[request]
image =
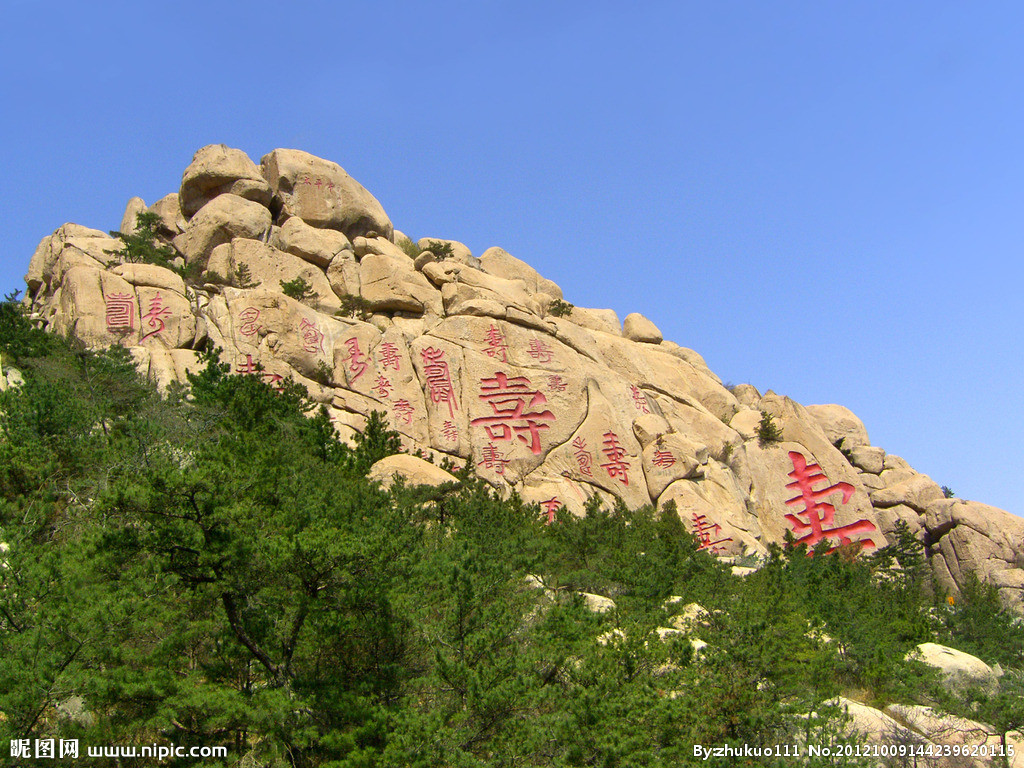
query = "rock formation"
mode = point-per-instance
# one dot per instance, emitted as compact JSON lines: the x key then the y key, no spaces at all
{"x":471,"y":359}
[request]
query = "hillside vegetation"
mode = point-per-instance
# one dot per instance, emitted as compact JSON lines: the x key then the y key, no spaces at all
{"x":212,"y":567}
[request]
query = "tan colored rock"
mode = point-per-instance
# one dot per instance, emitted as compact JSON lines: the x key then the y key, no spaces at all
{"x":322,"y":194}
{"x":460,"y":253}
{"x":873,"y":725}
{"x":672,"y":458}
{"x":134,"y":207}
{"x":690,"y":617}
{"x":840,"y":423}
{"x":343,"y":274}
{"x":942,"y":728}
{"x":604,"y":320}
{"x":220,"y":221}
{"x":597,"y":603}
{"x":747,"y":395}
{"x":746,"y":422}
{"x":764,"y":473}
{"x":392,"y":284}
{"x":317,"y":246}
{"x":916,"y":492}
{"x":978,"y":538}
{"x":164,"y":366}
{"x":500,"y":263}
{"x":869,"y":458}
{"x":99,"y":308}
{"x":712,"y":509}
{"x":888,"y":517}
{"x":636,"y":327}
{"x":172,"y":223}
{"x":958,"y":668}
{"x":650,"y":367}
{"x":87,"y":247}
{"x":461,"y":299}
{"x":215,"y":170}
{"x":150,"y":275}
{"x":411,"y":469}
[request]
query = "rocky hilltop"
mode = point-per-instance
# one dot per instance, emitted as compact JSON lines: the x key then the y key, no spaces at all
{"x":295,"y":271}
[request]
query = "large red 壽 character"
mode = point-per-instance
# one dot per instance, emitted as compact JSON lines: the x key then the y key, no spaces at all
{"x":810,"y":524}
{"x":507,"y":397}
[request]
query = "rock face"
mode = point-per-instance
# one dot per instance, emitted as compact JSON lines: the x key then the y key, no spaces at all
{"x":461,"y":355}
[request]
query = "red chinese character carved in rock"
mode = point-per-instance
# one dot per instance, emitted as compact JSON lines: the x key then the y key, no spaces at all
{"x":705,"y":530}
{"x":120,"y":312}
{"x":616,"y":466}
{"x":663,"y":458}
{"x":403,"y":410}
{"x":382,"y":386}
{"x":639,"y":399}
{"x":450,"y":432}
{"x":356,"y":359}
{"x":312,"y":337}
{"x":551,"y":506}
{"x":493,"y":459}
{"x":496,"y":346}
{"x":319,"y":183}
{"x":810,"y":524}
{"x":389,"y":356}
{"x":305,"y":180}
{"x":557,"y":383}
{"x":540,"y":351}
{"x":439,"y":380}
{"x":275,"y":380}
{"x":583,"y":457}
{"x":247,"y":367}
{"x":508,"y":399}
{"x":155,"y":316}
{"x":249,"y":319}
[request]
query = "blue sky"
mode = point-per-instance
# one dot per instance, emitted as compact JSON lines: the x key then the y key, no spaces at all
{"x":822,"y":199}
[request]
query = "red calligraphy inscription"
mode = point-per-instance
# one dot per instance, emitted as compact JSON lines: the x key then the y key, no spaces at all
{"x":583,"y":456}
{"x":450,"y":432}
{"x":389,"y":356}
{"x":382,"y":386}
{"x":639,"y":399}
{"x":508,"y":400}
{"x":120,"y":312}
{"x":705,"y":531}
{"x":403,"y":411}
{"x":663,"y":458}
{"x":312,"y":337}
{"x":493,"y":459}
{"x":616,"y":466}
{"x":356,"y":359}
{"x":249,"y":318}
{"x":155,"y":316}
{"x":810,"y":524}
{"x":557,"y":383}
{"x":496,"y":346}
{"x":540,"y":351}
{"x":439,"y":379}
{"x":247,"y":367}
{"x":551,"y":506}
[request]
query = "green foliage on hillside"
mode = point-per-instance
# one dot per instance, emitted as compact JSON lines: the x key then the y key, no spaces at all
{"x":215,"y":570}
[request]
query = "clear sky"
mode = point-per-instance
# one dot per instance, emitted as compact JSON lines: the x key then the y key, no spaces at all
{"x":823,"y":199}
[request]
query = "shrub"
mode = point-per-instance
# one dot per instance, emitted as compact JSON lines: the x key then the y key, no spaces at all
{"x":297,"y":289}
{"x":142,"y":246}
{"x":768,"y":432}
{"x":409,"y":246}
{"x":947,"y":492}
{"x":440,"y":249}
{"x":242,"y":277}
{"x":560,"y":308}
{"x":354,"y":306}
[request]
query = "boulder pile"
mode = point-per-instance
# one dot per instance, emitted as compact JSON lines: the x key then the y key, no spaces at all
{"x":294,"y":271}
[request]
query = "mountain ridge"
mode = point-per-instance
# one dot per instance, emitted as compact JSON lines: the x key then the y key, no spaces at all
{"x":471,"y":361}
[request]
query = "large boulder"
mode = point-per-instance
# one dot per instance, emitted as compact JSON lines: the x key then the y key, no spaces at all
{"x":958,"y":668}
{"x":322,"y":194}
{"x":218,"y":222}
{"x":317,"y":246}
{"x":840,"y":423}
{"x":411,"y":469}
{"x":390,"y":283}
{"x":217,"y":169}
